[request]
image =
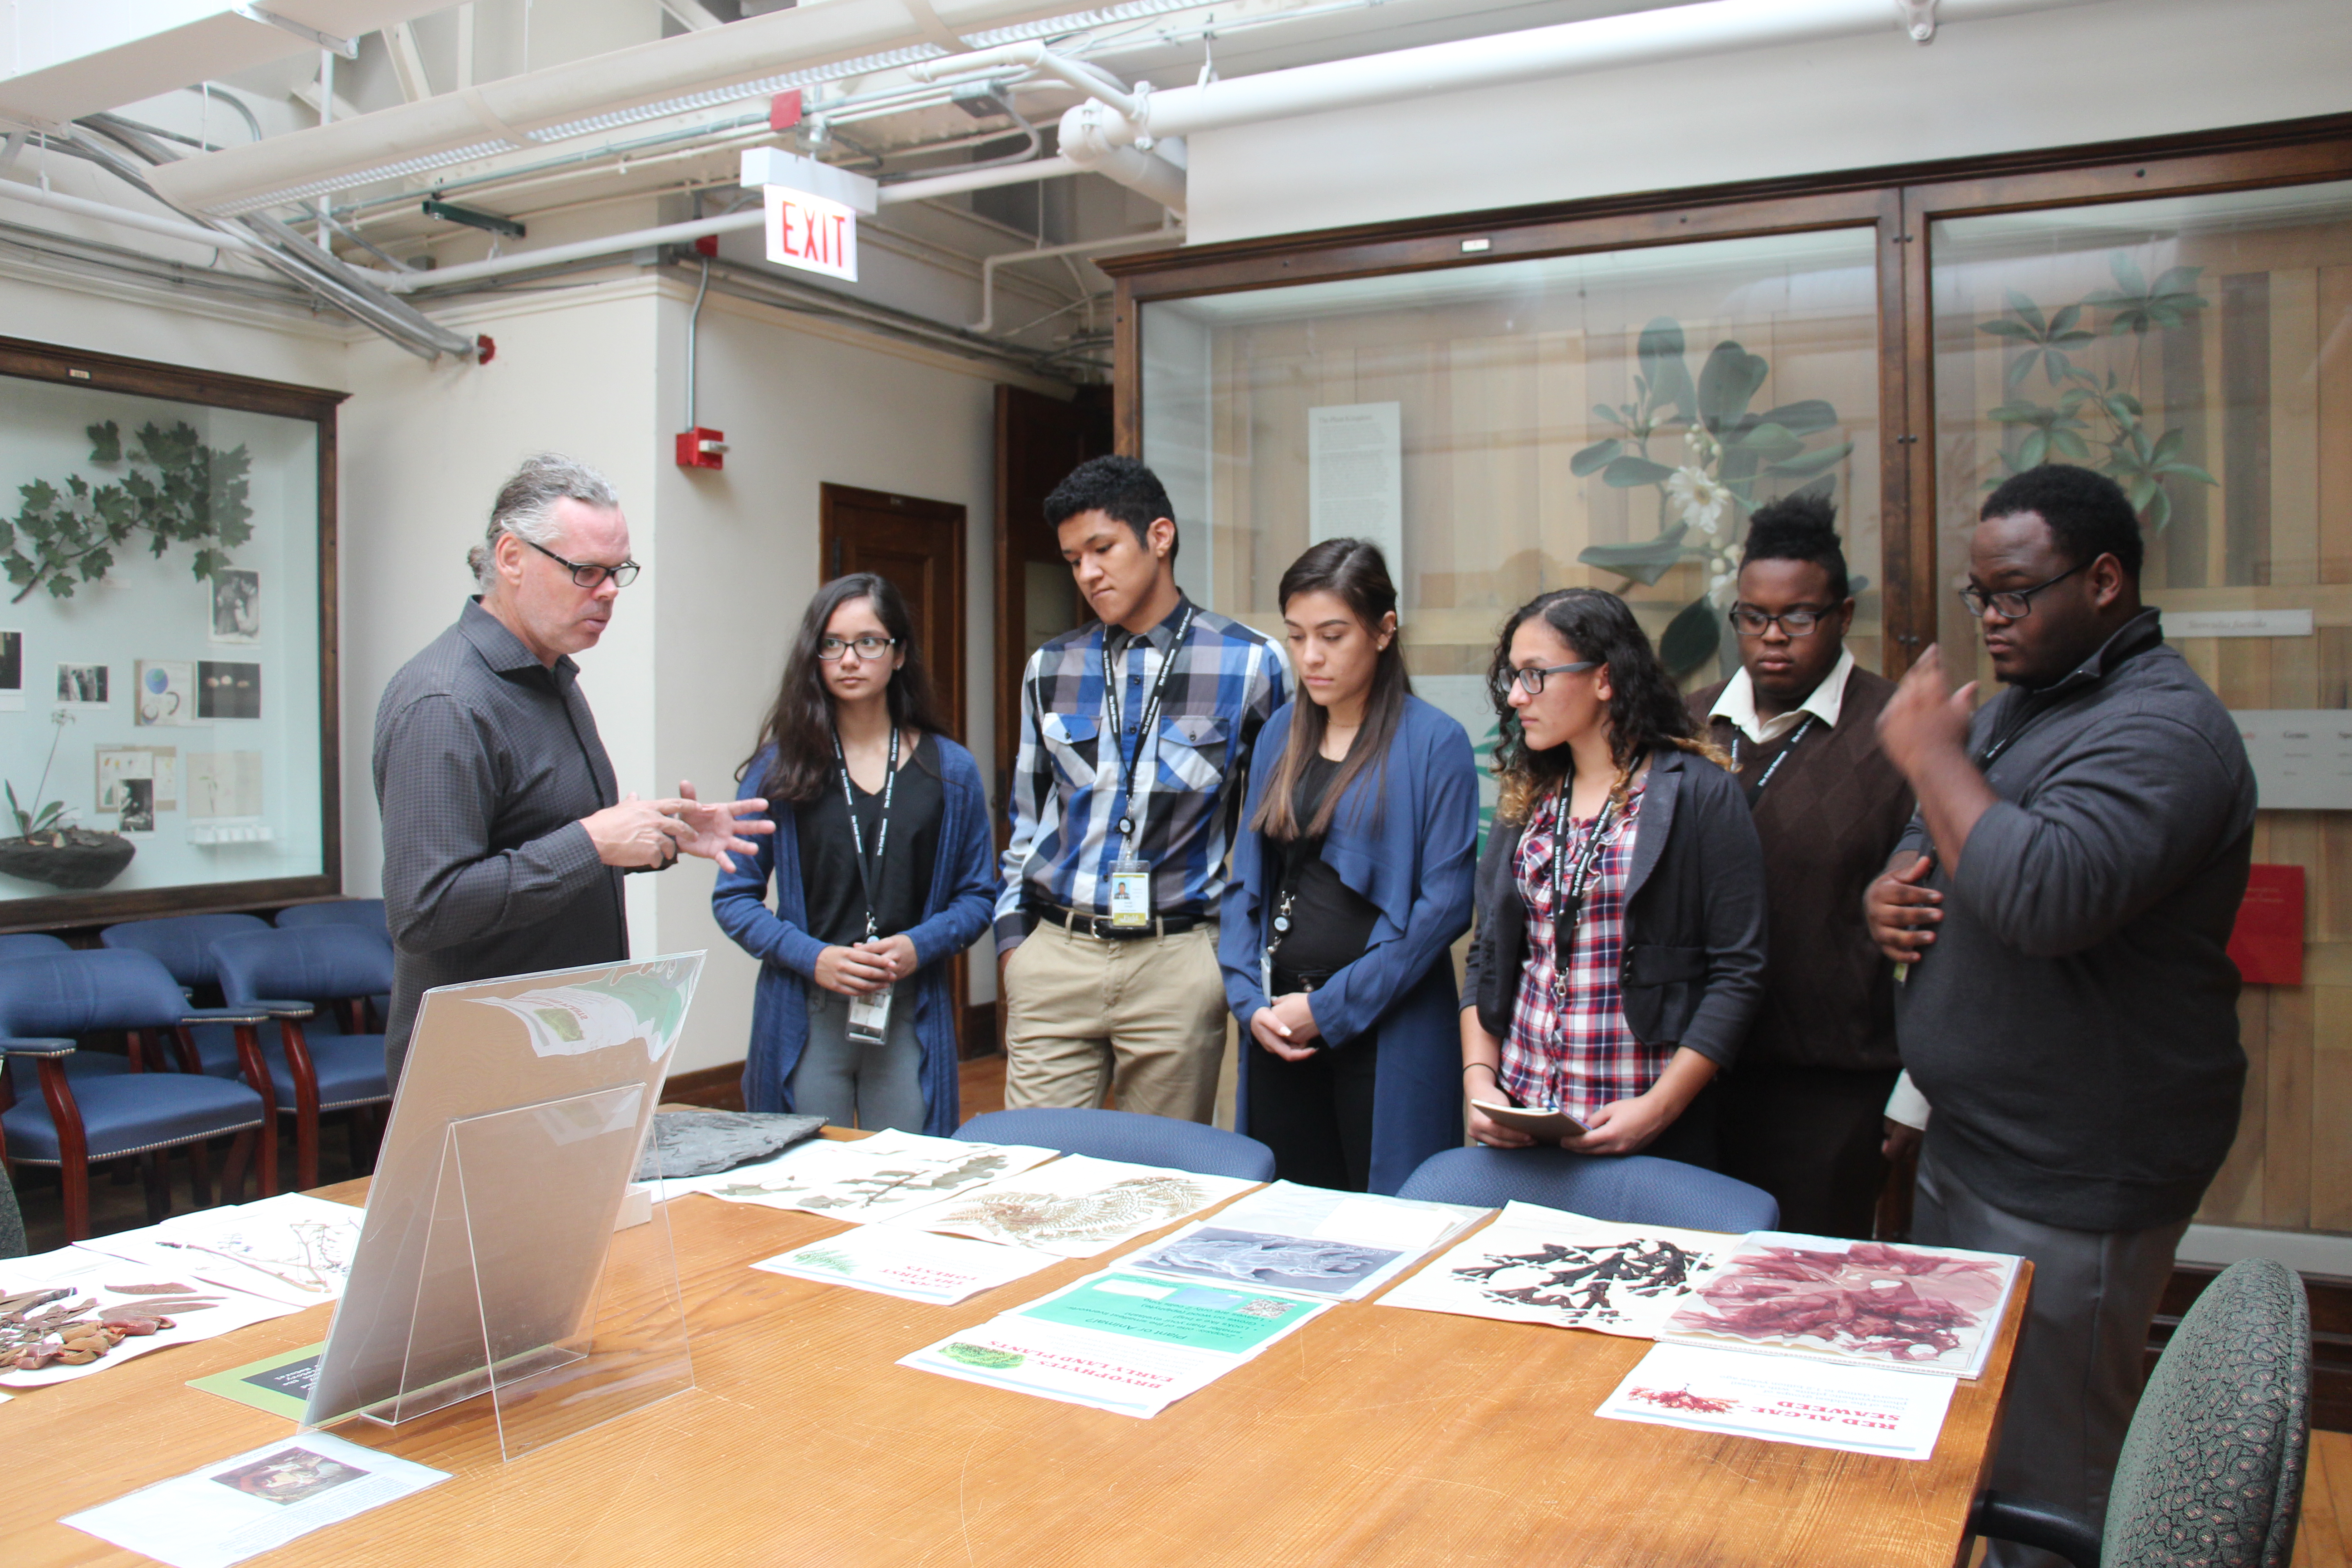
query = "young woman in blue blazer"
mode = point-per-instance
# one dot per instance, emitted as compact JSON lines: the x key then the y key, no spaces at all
{"x":884,"y":870}
{"x":1349,"y":885}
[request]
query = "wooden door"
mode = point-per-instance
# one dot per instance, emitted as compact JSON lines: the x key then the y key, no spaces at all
{"x":919,"y":545}
{"x":1039,"y":440}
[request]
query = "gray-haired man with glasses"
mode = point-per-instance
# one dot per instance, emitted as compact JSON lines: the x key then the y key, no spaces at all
{"x":505,"y":835}
{"x":1802,"y":1115}
{"x":2064,"y":905}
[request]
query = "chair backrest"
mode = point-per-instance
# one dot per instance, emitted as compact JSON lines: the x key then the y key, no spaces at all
{"x":1125,"y":1135}
{"x":367,"y":914}
{"x":184,"y":942}
{"x":2213,"y":1465}
{"x":305,"y":963}
{"x":63,"y":995}
{"x":1633,"y":1189}
{"x":25,"y":944}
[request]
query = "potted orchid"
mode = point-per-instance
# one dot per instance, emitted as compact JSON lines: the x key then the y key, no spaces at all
{"x":47,"y":847}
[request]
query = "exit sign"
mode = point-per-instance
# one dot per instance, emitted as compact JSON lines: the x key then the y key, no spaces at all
{"x":813,"y":210}
{"x":812,"y":233}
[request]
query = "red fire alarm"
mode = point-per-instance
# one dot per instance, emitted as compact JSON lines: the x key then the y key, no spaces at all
{"x":785,"y":110}
{"x":701,"y":449}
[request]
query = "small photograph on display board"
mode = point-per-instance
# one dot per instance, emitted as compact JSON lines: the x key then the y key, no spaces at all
{"x":84,"y":685}
{"x":167,"y":691}
{"x":11,"y":671}
{"x":158,"y":766}
{"x":228,"y":691}
{"x":137,"y":806}
{"x":236,"y":606}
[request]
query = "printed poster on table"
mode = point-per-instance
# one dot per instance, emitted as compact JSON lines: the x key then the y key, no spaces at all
{"x":1923,"y":1308}
{"x":1317,"y":1242}
{"x":1855,"y":1409}
{"x":914,"y":1265}
{"x":258,"y":1500}
{"x":58,"y":1309}
{"x":865,"y":1179}
{"x":1538,"y":1264}
{"x":1078,"y":1206}
{"x":293,"y":1247}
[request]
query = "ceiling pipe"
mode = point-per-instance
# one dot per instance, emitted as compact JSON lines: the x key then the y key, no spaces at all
{"x":1034,"y":56}
{"x":1539,"y":54}
{"x":687,"y":233}
{"x":123,"y":217}
{"x":987,"y":322}
{"x":667,"y":76}
{"x":1086,"y":141}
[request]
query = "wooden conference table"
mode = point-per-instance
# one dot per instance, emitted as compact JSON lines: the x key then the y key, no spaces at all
{"x":1372,"y":1435}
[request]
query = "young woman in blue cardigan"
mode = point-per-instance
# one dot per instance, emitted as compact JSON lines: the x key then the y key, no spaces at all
{"x":1350,"y":884}
{"x":884,"y":870}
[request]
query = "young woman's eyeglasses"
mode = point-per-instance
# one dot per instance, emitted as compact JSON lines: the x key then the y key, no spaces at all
{"x":1531,"y":680}
{"x":1752,"y":622}
{"x":587,"y":574}
{"x":2014,"y":603}
{"x":832,"y":648}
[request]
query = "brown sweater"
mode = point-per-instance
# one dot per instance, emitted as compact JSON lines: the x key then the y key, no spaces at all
{"x":1829,"y":820}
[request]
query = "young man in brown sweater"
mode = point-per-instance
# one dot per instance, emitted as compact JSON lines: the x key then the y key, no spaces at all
{"x":1801,"y":1113}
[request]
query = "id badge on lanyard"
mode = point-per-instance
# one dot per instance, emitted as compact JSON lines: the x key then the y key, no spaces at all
{"x":1130,"y":875}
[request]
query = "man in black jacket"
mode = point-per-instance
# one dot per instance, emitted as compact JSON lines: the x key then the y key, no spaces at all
{"x":2063,"y":904}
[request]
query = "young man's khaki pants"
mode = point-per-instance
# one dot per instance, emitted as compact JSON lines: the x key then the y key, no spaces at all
{"x":1143,"y":1015}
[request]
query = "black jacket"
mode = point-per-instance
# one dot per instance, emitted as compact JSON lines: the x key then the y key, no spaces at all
{"x":2075,"y":1024}
{"x":1694,"y":950}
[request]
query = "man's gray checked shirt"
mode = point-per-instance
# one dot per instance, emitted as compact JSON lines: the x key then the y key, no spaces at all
{"x":485,"y":760}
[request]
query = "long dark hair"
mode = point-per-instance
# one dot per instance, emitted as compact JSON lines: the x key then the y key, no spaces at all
{"x":1645,"y":711}
{"x":800,"y":725}
{"x":1353,"y":571}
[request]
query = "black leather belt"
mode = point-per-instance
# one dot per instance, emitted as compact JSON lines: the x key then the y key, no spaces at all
{"x":1100,"y":928}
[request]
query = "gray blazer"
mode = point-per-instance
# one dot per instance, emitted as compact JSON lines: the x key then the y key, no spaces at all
{"x":1693,"y":971}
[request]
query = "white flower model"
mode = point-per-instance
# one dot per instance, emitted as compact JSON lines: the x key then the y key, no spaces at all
{"x":1701,"y":499}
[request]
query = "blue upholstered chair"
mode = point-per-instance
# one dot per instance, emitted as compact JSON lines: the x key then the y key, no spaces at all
{"x":367,"y":914}
{"x":1124,"y":1135}
{"x":46,"y":1003}
{"x":184,"y":944}
{"x":1635,"y":1189}
{"x":289,"y":974}
{"x":30,"y":944}
{"x":2213,"y":1466}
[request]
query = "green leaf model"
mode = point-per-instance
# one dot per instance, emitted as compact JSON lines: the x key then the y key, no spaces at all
{"x":2096,"y":418}
{"x":175,"y":491}
{"x":1729,"y":455}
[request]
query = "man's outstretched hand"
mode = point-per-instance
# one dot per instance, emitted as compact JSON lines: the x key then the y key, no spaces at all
{"x":715,"y":829}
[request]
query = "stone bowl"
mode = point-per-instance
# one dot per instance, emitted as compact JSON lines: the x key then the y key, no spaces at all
{"x":85,"y":860}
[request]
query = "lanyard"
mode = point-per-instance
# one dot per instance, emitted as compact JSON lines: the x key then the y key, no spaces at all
{"x":857,"y":832}
{"x":1759,"y":790}
{"x":1586,"y":858}
{"x":1129,"y":756}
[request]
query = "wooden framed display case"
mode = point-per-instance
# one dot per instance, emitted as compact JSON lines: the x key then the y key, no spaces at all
{"x":167,"y":640}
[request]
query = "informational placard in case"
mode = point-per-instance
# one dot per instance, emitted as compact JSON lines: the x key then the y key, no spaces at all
{"x":1355,"y":477}
{"x":2178,"y":624}
{"x":2302,"y":756}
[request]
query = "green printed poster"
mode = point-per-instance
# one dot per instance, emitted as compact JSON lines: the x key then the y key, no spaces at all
{"x":1198,"y":1317}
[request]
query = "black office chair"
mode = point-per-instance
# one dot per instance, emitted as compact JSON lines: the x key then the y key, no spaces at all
{"x":1633,"y":1189}
{"x":2212,"y":1467}
{"x":1125,"y":1135}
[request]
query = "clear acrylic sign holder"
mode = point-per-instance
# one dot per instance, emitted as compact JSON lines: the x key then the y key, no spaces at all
{"x":526,"y":1292}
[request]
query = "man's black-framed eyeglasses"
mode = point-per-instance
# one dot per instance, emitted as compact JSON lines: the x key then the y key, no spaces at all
{"x":2014,"y":603}
{"x":587,"y":574}
{"x":1531,"y":680}
{"x":1751,"y":622}
{"x":832,"y":648}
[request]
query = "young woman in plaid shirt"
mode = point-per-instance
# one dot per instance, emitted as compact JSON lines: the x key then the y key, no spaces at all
{"x":1620,"y":953}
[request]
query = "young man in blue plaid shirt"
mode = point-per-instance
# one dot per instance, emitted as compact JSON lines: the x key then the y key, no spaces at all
{"x":1135,"y":746}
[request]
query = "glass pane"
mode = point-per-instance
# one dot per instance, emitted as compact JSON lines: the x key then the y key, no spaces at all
{"x":2199,"y":349}
{"x":169,"y":715}
{"x":1515,"y":427}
